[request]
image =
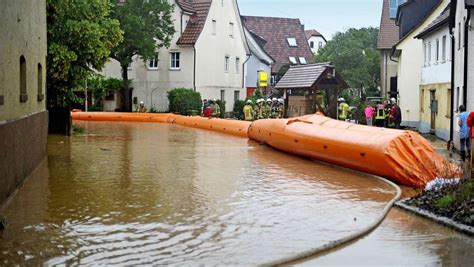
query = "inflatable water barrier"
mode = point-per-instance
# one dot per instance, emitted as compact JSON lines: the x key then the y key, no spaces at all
{"x":402,"y":156}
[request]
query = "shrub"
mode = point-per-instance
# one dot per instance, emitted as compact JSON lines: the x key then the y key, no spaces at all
{"x":239,"y":109}
{"x":222,"y":106}
{"x":184,"y":101}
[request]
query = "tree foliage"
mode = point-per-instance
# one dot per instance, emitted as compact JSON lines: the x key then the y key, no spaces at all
{"x":81,"y":35}
{"x":147,"y":26}
{"x":355,"y":56}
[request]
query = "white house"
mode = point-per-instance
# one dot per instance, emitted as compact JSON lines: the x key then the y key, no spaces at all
{"x":207,"y":53}
{"x":316,"y":40}
{"x":412,"y":17}
{"x":435,"y":86}
{"x":259,"y":61}
{"x":461,"y":25}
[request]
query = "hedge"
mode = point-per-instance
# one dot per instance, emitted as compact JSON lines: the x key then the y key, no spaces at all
{"x":184,"y":101}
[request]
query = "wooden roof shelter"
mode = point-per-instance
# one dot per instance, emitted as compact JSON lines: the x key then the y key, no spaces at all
{"x":302,"y":85}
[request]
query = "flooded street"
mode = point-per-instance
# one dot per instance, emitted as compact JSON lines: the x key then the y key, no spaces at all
{"x":144,"y":193}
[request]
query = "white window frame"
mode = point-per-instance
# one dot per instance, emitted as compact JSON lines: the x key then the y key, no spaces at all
{"x":443,"y":47}
{"x":302,"y":60}
{"x":429,"y":53}
{"x":226,"y":63}
{"x":292,"y":42}
{"x":214,"y":27}
{"x":231,"y":29}
{"x":292,"y":60}
{"x":175,"y":60}
{"x":237,"y":65}
{"x":155,"y":66}
{"x":437,"y":50}
{"x":425,"y":53}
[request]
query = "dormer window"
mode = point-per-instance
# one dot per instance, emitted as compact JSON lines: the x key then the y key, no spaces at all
{"x":302,"y":60}
{"x":292,"y":60}
{"x":291,"y":42}
{"x":394,"y":7}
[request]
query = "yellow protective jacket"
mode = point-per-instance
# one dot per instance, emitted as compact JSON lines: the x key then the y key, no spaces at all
{"x":216,"y":110}
{"x":248,"y":112}
{"x":343,"y":111}
{"x":267,"y":110}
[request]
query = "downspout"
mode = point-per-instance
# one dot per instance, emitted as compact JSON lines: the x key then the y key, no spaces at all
{"x":451,"y":128}
{"x":243,"y":70}
{"x":466,"y":52}
{"x":194,"y":68}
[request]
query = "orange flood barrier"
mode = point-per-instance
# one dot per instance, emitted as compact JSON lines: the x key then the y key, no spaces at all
{"x":402,"y":156}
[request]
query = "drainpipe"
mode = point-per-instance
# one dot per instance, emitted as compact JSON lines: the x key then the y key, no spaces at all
{"x":194,"y":68}
{"x":466,"y":52}
{"x":243,"y":70}
{"x":451,"y":128}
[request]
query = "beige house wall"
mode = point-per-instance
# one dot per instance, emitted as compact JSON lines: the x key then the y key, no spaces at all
{"x":388,"y":68}
{"x":23,"y":33}
{"x":442,"y":93}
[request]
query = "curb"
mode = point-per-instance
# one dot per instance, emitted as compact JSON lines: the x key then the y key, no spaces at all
{"x":465,"y":229}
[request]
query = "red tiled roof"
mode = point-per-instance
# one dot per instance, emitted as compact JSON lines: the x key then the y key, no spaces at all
{"x":388,"y":33}
{"x":191,"y":34}
{"x":310,"y":33}
{"x":276,"y":31}
{"x":186,"y":6}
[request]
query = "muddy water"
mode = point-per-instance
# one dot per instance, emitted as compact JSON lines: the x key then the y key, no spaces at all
{"x":137,"y":193}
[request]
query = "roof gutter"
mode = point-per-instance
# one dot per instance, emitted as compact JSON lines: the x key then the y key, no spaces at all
{"x":194,"y":68}
{"x":243,"y":69}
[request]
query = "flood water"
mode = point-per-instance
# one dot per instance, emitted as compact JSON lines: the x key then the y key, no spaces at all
{"x":144,"y":193}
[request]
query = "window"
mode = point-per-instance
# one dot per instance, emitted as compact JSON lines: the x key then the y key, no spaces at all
{"x":222,"y":96}
{"x":422,"y":100}
{"x":231,"y":29}
{"x":237,"y":65}
{"x":272,"y":80}
{"x":214,"y":27}
{"x":226,"y":64}
{"x":40,"y":82}
{"x":175,"y":61}
{"x":425,"y":54}
{"x":320,"y":45}
{"x":236,"y":96}
{"x":311,"y":44}
{"x":459,"y":35}
{"x":437,"y":50}
{"x":448,"y":111}
{"x":292,"y":60}
{"x":457,"y":99}
{"x":429,"y":52}
{"x":302,"y":60}
{"x":129,"y":67}
{"x":443,"y":51}
{"x":291,"y":42}
{"x":23,"y":93}
{"x":153,"y":64}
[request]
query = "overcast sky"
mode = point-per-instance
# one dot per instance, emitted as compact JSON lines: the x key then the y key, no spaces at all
{"x":326,"y":16}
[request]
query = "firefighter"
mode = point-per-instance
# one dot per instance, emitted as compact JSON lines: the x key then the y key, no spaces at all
{"x":343,"y":109}
{"x":267,"y":109}
{"x":379,"y":114}
{"x":248,"y":111}
{"x":259,"y":109}
{"x":215,"y":109}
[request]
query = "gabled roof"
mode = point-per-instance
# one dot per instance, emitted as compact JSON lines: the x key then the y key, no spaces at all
{"x":389,"y":32}
{"x":275,"y":32}
{"x":195,"y":25}
{"x":255,"y":44}
{"x":311,"y":33}
{"x":440,"y":21}
{"x":186,"y":6}
{"x":305,"y":76}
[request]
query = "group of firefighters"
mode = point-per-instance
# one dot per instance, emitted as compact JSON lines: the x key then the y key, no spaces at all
{"x":270,"y":109}
{"x":386,"y":115}
{"x":211,"y":108}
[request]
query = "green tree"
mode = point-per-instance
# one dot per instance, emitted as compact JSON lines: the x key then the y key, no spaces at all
{"x":80,"y":37}
{"x":355,"y":56}
{"x":147,"y":26}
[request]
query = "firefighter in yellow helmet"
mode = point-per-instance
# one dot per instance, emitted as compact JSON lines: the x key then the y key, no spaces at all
{"x":259,"y":109}
{"x":215,"y":109}
{"x":248,"y":111}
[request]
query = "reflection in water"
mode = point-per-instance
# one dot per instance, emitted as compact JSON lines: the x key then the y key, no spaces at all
{"x":403,"y":239}
{"x":138,"y":193}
